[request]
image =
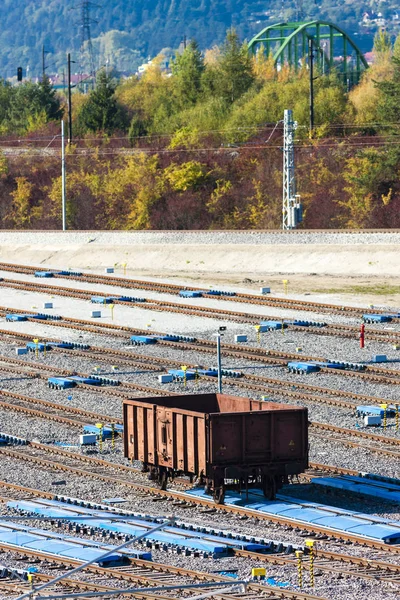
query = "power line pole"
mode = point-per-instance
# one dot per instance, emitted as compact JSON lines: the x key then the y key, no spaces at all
{"x":44,"y":52}
{"x":63,"y":180}
{"x":86,"y":38}
{"x":311,"y":73}
{"x":291,"y":207}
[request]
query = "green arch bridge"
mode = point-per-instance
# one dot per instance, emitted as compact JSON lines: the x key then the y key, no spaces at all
{"x":333,"y":48}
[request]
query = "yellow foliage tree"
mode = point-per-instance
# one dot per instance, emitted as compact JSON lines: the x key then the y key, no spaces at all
{"x":185,"y":176}
{"x":22,"y":213}
{"x":129,"y":191}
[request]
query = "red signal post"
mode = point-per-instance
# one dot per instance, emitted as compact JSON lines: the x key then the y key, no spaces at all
{"x":362,"y":335}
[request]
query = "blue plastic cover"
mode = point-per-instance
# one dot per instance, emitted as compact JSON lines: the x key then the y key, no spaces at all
{"x":144,"y":339}
{"x":361,"y":485}
{"x":304,"y":366}
{"x":190,"y":294}
{"x":103,"y":300}
{"x":272,"y":325}
{"x":171,"y":535}
{"x":44,"y":274}
{"x":62,"y":382}
{"x":180,"y":374}
{"x":311,"y":512}
{"x":377,"y":318}
{"x":61,"y":545}
{"x":87,"y":380}
{"x":13,"y":317}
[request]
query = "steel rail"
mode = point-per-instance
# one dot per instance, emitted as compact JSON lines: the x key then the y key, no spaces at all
{"x":174,"y":289}
{"x":175,"y":495}
{"x":324,"y":559}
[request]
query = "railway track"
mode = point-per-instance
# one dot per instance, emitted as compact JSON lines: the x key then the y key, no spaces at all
{"x":233,"y":383}
{"x":257,"y":383}
{"x":162,"y":305}
{"x":325,"y":561}
{"x":373,"y":374}
{"x":53,"y":465}
{"x":174,"y":289}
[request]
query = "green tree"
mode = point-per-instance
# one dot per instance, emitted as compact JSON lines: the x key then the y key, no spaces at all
{"x":233,"y":74}
{"x":389,"y":105}
{"x":382,"y":43}
{"x":188,"y":69}
{"x":102,"y":112}
{"x":30,"y":105}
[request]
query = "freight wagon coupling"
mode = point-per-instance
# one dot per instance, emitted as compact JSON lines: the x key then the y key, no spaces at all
{"x":221,"y":441}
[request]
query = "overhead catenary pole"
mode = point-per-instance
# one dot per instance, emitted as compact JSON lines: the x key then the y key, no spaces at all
{"x":68,"y":574}
{"x":69,"y":102}
{"x":291,"y":206}
{"x":63,"y":180}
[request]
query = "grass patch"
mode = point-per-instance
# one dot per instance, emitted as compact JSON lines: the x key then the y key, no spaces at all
{"x":377,"y":290}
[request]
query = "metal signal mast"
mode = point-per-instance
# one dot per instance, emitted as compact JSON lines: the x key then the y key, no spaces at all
{"x":292,"y":209}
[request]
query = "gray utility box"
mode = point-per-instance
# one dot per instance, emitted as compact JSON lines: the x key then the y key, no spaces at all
{"x":265,"y":290}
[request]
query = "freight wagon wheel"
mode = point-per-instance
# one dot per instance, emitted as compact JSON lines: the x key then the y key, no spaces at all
{"x":269,"y":487}
{"x":219,"y":495}
{"x":162,"y":480}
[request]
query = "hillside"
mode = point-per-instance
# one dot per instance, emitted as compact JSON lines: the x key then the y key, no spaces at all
{"x":126,"y":33}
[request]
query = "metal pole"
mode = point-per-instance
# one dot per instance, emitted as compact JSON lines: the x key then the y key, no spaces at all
{"x":98,"y":558}
{"x":311,"y":69}
{"x":69,"y":102}
{"x":219,"y":363}
{"x":43,"y":63}
{"x":289,"y":220}
{"x":63,"y":187}
{"x":237,"y":586}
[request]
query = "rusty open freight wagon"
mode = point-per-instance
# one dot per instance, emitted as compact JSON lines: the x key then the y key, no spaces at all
{"x":222,"y":440}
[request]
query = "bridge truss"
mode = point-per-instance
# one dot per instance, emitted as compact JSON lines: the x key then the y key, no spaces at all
{"x":288,"y":43}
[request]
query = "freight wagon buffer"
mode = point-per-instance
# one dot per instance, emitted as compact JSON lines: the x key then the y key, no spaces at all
{"x":222,"y":440}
